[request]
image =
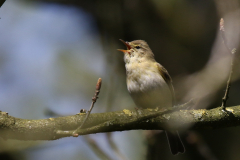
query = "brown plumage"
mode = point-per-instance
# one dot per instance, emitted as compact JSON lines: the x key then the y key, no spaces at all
{"x":149,"y":84}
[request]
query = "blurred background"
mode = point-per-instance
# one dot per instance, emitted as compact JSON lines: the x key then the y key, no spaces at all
{"x":53,"y":51}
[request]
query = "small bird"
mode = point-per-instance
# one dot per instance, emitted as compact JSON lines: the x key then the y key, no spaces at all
{"x":149,"y":84}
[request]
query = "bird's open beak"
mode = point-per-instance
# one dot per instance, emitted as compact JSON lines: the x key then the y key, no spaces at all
{"x":128,"y":47}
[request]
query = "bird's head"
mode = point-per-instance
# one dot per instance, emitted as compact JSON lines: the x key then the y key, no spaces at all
{"x":137,"y":49}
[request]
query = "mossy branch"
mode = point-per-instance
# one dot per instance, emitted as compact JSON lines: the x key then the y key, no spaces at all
{"x":55,"y":128}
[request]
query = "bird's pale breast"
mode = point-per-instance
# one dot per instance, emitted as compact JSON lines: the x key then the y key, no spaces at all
{"x":147,"y":87}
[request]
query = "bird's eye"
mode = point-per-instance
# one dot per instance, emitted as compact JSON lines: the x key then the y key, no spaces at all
{"x":138,"y":47}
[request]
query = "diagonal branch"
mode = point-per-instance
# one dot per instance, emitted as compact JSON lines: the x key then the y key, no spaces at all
{"x":94,"y":100}
{"x":232,"y":52}
{"x":1,"y":2}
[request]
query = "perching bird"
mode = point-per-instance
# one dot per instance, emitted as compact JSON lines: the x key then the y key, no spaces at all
{"x":149,"y":84}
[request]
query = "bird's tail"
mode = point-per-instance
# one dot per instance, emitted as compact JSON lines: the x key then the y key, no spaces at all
{"x":175,"y":143}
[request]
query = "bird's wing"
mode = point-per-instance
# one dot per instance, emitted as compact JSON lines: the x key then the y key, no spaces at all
{"x":164,"y":73}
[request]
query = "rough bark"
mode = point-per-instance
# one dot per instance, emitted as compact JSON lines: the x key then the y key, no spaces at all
{"x":148,"y":119}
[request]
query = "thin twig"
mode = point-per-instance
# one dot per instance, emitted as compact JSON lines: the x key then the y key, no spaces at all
{"x":114,"y":147}
{"x":197,"y":141}
{"x":94,"y":100}
{"x":232,"y":52}
{"x":222,"y":30}
{"x":96,"y":148}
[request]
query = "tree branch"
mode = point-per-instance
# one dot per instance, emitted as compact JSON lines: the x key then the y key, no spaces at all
{"x":1,"y":2}
{"x":55,"y":128}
